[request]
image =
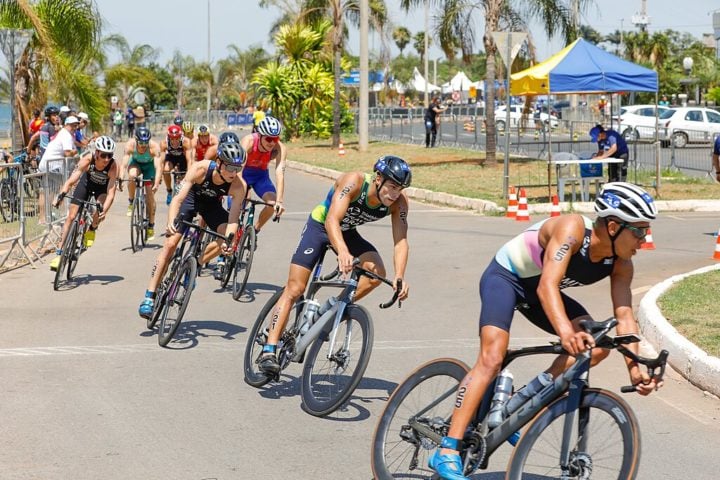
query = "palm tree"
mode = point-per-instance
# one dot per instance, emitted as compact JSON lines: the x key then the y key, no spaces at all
{"x":419,"y":45}
{"x":179,"y":66}
{"x":54,"y":54}
{"x":401,"y":36}
{"x":131,"y":72}
{"x":244,"y":64}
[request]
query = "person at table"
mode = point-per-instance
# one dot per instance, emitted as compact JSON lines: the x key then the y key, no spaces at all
{"x":611,"y":145}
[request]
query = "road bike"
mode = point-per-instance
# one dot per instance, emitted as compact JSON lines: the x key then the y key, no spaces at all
{"x":174,"y":291}
{"x":74,"y":244}
{"x":9,"y":198}
{"x":139,"y":220}
{"x":334,"y":341}
{"x":572,"y":431}
{"x":237,"y":266}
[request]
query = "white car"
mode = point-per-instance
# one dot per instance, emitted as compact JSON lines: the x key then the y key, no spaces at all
{"x":516,"y":113}
{"x":685,"y":125}
{"x":638,"y":121}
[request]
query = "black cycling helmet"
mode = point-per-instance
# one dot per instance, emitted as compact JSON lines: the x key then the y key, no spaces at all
{"x":142,"y":134}
{"x":229,"y":137}
{"x":395,"y":169}
{"x":178,"y":121}
{"x":231,"y":153}
{"x":52,"y":111}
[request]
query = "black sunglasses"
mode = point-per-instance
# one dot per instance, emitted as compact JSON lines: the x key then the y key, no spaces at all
{"x":638,"y":232}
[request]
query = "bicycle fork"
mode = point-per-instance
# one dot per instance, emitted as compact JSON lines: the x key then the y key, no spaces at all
{"x":574,"y":398}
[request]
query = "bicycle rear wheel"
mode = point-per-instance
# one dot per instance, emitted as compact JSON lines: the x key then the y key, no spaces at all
{"x":135,"y":223}
{"x":7,"y":202}
{"x":178,"y":296}
{"x":329,"y":378}
{"x":246,"y":250}
{"x":67,"y":251}
{"x":605,"y":441}
{"x":427,"y":396}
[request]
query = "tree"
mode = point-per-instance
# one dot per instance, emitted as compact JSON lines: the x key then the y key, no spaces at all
{"x":179,"y":66}
{"x":419,"y":45}
{"x":244,"y":63}
{"x":401,"y":37}
{"x":131,"y":71}
{"x":591,"y":35}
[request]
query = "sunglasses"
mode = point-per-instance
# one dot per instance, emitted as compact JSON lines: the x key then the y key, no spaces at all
{"x":105,"y":155}
{"x":143,"y":144}
{"x":272,"y":139}
{"x":638,"y":232}
{"x":233,"y":168}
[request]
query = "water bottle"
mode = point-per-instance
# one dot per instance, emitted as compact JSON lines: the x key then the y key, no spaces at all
{"x":327,"y":306}
{"x":503,"y":390}
{"x":309,"y":316}
{"x":522,"y":395}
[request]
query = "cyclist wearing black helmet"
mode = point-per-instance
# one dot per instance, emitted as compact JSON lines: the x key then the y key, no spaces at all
{"x":142,"y":156}
{"x":206,"y":182}
{"x":353,"y":200}
{"x":40,"y":139}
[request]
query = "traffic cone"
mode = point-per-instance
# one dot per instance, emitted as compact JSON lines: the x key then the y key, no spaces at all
{"x":522,"y":214}
{"x":555,"y":209}
{"x":341,"y":149}
{"x":716,"y":255}
{"x":512,"y":204}
{"x":648,"y":244}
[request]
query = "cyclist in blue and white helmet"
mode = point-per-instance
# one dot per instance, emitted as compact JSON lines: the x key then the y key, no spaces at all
{"x":204,"y":186}
{"x":269,"y":127}
{"x":531,"y":274}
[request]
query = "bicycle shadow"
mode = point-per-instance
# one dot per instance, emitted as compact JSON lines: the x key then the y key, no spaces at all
{"x":87,"y":279}
{"x":190,"y":332}
{"x":252,"y":290}
{"x":150,"y":246}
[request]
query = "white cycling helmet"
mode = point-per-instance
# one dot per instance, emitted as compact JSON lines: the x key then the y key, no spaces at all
{"x":105,"y":144}
{"x":269,"y":127}
{"x":625,"y":201}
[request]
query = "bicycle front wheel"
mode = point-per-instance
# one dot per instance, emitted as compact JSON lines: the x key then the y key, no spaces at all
{"x":330,"y":377}
{"x":75,"y":248}
{"x":427,"y":396}
{"x":7,"y":202}
{"x":176,"y":300}
{"x":246,"y":250}
{"x":66,"y":253}
{"x":135,"y":224}
{"x":605,"y":443}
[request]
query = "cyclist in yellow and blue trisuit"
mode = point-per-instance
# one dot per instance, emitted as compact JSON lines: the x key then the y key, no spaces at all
{"x":354,"y":199}
{"x":529,"y":273}
{"x":176,"y":155}
{"x":95,"y":175}
{"x":205,"y":184}
{"x":142,"y":157}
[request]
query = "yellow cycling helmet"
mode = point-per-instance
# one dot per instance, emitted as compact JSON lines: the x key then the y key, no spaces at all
{"x":188,"y":128}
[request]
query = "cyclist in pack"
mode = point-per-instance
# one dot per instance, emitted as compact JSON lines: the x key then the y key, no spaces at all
{"x":95,"y":175}
{"x":205,"y":144}
{"x":142,"y":156}
{"x":262,"y":147}
{"x":188,"y":129}
{"x":529,"y":273}
{"x":353,"y":200}
{"x":205,"y":184}
{"x":176,"y":154}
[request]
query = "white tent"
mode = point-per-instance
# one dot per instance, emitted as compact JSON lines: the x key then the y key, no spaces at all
{"x":459,"y":83}
{"x":418,"y":83}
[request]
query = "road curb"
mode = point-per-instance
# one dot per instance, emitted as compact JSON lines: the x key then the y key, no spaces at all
{"x":699,"y":368}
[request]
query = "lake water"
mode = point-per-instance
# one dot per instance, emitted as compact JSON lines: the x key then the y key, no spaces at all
{"x":4,"y":117}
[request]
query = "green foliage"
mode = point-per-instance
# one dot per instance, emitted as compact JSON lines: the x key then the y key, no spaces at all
{"x":162,"y":94}
{"x":714,"y":95}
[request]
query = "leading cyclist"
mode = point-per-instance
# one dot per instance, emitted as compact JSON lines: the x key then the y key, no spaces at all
{"x":205,"y":184}
{"x":529,"y":273}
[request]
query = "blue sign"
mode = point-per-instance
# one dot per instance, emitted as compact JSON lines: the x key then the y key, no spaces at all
{"x":231,"y":119}
{"x":352,"y":79}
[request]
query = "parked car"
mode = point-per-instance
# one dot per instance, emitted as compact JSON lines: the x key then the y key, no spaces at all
{"x":516,"y":114}
{"x":638,"y":121}
{"x":683,"y":125}
{"x":559,"y":106}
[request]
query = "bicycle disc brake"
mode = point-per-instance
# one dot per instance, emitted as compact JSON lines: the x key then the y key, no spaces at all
{"x":580,"y":466}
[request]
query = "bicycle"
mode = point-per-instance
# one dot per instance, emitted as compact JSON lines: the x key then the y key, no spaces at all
{"x":237,"y":266}
{"x":9,"y":198}
{"x":139,"y":220}
{"x":330,"y":328}
{"x":573,"y":431}
{"x":174,"y":291}
{"x":74,"y":244}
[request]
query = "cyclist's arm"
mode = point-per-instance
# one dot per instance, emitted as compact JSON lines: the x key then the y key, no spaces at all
{"x":158,"y":160}
{"x":34,"y":139}
{"x":113,"y":175}
{"x":563,"y":238}
{"x":163,"y":153}
{"x":280,"y":164}
{"x":187,"y":151}
{"x":129,"y":147}
{"x":237,"y":193}
{"x":399,"y":213}
{"x":347,"y":187}
{"x":210,"y":153}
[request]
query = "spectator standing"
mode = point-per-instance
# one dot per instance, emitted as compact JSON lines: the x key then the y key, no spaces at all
{"x":716,"y":157}
{"x":118,"y":121}
{"x":258,"y":116}
{"x":611,"y":145}
{"x":664,"y":101}
{"x":130,"y":121}
{"x":432,"y":120}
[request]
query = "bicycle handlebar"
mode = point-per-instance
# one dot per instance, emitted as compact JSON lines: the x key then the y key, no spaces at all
{"x":361,"y":271}
{"x":63,"y":195}
{"x":275,"y":218}
{"x":212,"y":233}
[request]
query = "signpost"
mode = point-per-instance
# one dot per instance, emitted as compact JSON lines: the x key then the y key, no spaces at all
{"x":13,"y":43}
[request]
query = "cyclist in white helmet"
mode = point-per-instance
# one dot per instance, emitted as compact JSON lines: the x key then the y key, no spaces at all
{"x":530,"y":272}
{"x":95,"y":175}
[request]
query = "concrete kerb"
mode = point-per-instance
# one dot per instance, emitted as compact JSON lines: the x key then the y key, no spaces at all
{"x":701,"y":369}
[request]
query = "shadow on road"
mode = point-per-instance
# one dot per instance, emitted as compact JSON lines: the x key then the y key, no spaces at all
{"x":253,"y":289}
{"x":89,"y":279}
{"x":190,"y":332}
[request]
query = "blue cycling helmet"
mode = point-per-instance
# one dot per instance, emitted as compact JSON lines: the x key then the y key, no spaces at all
{"x":395,"y":169}
{"x":142,"y":134}
{"x":229,"y":137}
{"x":231,"y":153}
{"x":269,"y":127}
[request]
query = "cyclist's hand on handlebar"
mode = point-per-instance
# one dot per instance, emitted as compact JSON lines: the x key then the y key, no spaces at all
{"x":345,"y":262}
{"x":404,"y":289}
{"x":119,"y":184}
{"x":59,"y":199}
{"x":279,"y":209}
{"x":577,"y":342}
{"x":644,"y":385}
{"x":171,"y":229}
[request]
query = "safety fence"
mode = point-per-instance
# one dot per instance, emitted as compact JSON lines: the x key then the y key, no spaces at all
{"x":29,"y":224}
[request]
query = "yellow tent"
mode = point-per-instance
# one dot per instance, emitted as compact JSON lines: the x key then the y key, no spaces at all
{"x":536,"y":80}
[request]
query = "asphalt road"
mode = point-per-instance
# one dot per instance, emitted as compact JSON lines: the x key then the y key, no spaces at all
{"x":87,"y":393}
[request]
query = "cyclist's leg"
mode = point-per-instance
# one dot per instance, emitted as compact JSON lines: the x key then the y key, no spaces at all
{"x":100,"y":197}
{"x":216,"y":217}
{"x":369,"y":259}
{"x":133,"y":173}
{"x":260,"y":182}
{"x":167,"y":168}
{"x":72,"y":213}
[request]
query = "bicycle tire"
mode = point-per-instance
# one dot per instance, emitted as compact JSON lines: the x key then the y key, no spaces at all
{"x":76,"y":248}
{"x":144,"y":220}
{"x":134,"y":221}
{"x":246,"y":250}
{"x":324,"y":385}
{"x":160,"y":298}
{"x":183,"y":281}
{"x":7,"y":201}
{"x":228,"y":269}
{"x":435,"y":380}
{"x":258,"y":336}
{"x":67,"y":250}
{"x":609,"y":427}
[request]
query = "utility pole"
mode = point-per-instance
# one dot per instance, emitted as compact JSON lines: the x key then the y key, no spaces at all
{"x":207,"y":104}
{"x":364,"y":102}
{"x":427,"y":41}
{"x":641,"y":20}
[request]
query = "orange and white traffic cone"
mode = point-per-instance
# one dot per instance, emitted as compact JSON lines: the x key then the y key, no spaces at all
{"x":522,"y":214}
{"x":555,"y":209}
{"x":341,"y":149}
{"x":716,"y":255}
{"x":648,"y":244}
{"x":512,"y":204}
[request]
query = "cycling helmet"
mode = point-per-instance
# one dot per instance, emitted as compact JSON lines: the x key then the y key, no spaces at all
{"x":142,"y":134}
{"x":203,"y":130}
{"x":178,"y":121}
{"x":269,"y":127}
{"x":188,"y":128}
{"x":395,"y":169}
{"x":625,"y":201}
{"x":174,"y":132}
{"x":52,"y":111}
{"x":231,"y":153}
{"x":229,"y":137}
{"x":105,"y":144}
